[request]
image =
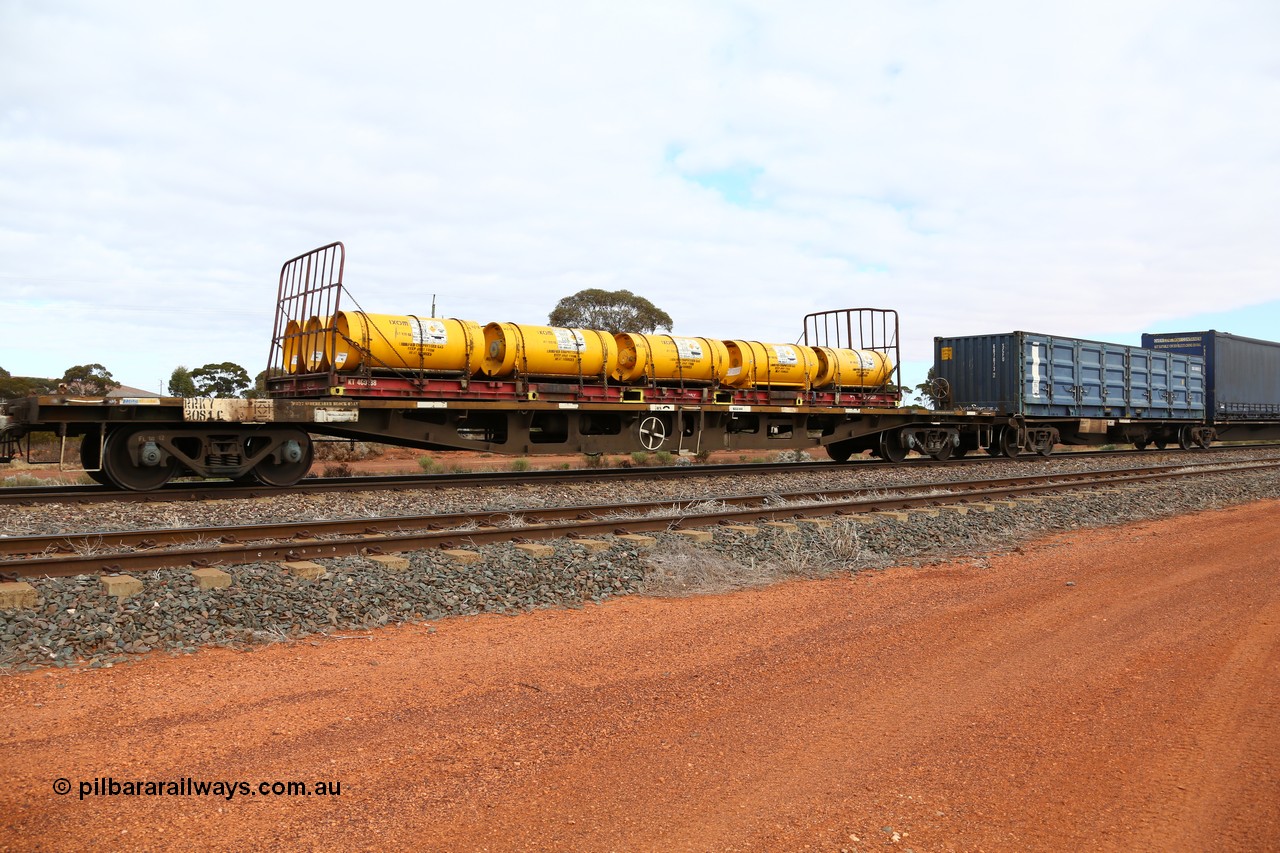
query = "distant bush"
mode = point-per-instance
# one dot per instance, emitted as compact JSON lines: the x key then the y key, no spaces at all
{"x":640,"y":458}
{"x":520,"y":464}
{"x":339,"y":469}
{"x":429,"y":465}
{"x":662,"y":457}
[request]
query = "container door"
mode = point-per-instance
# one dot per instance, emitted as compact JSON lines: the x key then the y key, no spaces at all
{"x":1058,"y":376}
{"x":1140,"y":381}
{"x":1091,"y":384}
{"x":1196,"y":387}
{"x":1179,"y":393}
{"x":1037,"y":385}
{"x":1115,"y":378}
{"x":1161,"y":377}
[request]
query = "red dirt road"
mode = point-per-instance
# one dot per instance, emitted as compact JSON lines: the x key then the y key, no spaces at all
{"x":973,"y":706}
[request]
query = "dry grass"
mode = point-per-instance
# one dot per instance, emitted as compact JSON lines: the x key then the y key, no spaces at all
{"x":683,"y":568}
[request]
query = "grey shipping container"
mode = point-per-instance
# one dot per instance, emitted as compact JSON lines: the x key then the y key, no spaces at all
{"x":1035,"y":375}
{"x":1242,"y":375}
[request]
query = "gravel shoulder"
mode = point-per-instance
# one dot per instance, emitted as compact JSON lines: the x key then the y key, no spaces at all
{"x":1106,"y":689}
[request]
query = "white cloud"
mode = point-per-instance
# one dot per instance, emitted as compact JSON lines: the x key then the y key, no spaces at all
{"x":978,"y":166}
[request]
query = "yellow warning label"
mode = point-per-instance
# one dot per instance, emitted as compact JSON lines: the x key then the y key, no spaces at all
{"x":946,"y":353}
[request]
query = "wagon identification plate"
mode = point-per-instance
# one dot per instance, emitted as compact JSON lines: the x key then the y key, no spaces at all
{"x":202,"y":409}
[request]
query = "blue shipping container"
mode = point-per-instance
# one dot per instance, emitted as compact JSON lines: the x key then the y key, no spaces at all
{"x":1242,"y":375}
{"x":1043,"y":376}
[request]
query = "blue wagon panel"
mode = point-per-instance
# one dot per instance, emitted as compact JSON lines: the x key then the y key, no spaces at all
{"x":1242,"y":374}
{"x":1045,"y":376}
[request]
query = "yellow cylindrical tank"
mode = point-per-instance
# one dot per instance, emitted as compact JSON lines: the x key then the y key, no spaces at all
{"x":852,"y":368}
{"x":665,"y":358}
{"x":405,"y":342}
{"x":514,"y":348}
{"x":756,"y":365}
{"x":291,"y":347}
{"x":314,"y":358}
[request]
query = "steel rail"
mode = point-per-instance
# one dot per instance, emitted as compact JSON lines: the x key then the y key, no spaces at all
{"x":226,"y":490}
{"x":388,"y":534}
{"x":71,"y":543}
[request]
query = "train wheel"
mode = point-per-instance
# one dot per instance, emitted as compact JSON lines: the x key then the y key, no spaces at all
{"x":943,"y":453}
{"x":891,"y":449}
{"x":91,"y":456}
{"x":120,"y":468}
{"x":1007,"y":442}
{"x":1141,"y":444}
{"x":1045,"y":449}
{"x":840,"y":451}
{"x":1185,"y":439}
{"x":292,"y":466}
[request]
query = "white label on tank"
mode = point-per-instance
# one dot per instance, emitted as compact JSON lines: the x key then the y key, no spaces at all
{"x":430,"y":333}
{"x":785,"y":355}
{"x":293,"y":362}
{"x":734,"y":371}
{"x":866,"y":360}
{"x":1035,"y":370}
{"x":340,"y":359}
{"x":570,"y":340}
{"x":688,"y":348}
{"x":317,"y":356}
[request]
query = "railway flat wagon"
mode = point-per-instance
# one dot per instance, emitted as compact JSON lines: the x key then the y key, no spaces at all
{"x":1088,"y":391}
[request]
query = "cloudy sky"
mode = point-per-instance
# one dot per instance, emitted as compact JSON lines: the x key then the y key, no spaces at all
{"x":1094,"y":169}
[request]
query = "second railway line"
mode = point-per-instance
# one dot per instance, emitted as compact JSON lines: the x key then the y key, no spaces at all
{"x":151,"y":548}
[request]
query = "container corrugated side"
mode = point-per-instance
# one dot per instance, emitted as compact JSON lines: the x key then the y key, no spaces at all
{"x":1243,"y":374}
{"x":1039,"y":375}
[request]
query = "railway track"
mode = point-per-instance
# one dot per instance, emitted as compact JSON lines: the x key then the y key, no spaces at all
{"x":226,"y":490}
{"x":65,"y":555}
